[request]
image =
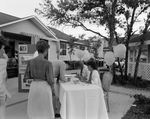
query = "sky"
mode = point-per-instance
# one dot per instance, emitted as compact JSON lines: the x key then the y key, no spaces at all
{"x":24,"y":8}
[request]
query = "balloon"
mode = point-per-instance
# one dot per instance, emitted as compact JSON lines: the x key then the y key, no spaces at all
{"x":120,"y":50}
{"x":109,"y":58}
{"x":86,"y":52}
{"x":35,"y":54}
{"x":80,"y":54}
{"x":86,"y":56}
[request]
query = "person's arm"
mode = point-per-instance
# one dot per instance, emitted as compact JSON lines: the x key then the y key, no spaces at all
{"x":95,"y":78}
{"x":62,"y":72}
{"x":27,"y":72}
{"x":50,"y":77}
{"x":5,"y":56}
{"x":86,"y":72}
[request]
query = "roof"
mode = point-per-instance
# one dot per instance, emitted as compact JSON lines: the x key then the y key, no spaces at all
{"x":134,"y":38}
{"x":63,"y":36}
{"x":137,"y":37}
{"x":5,"y":18}
{"x":59,"y":34}
{"x":12,"y":20}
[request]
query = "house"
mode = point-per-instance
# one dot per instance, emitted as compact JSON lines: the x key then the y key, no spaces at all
{"x":27,"y":30}
{"x":81,"y":44}
{"x":144,"y":64}
{"x":64,"y":45}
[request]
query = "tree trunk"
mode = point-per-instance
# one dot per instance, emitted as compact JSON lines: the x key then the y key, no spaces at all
{"x":126,"y":61}
{"x":138,"y":57}
{"x":70,"y":57}
{"x":120,"y":68}
{"x":137,"y":64}
{"x":129,"y":34}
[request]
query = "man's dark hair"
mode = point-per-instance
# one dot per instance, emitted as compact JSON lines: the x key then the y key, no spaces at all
{"x":42,"y":46}
{"x":92,"y":63}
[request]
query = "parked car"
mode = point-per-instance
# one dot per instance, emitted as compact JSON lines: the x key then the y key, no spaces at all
{"x":122,"y":63}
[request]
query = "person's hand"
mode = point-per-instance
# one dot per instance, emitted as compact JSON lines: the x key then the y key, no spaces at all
{"x":78,"y":76}
{"x":68,"y":79}
{"x":53,"y":91}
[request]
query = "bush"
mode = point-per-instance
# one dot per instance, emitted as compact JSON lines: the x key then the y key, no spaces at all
{"x":77,"y":64}
{"x":141,"y":108}
{"x":141,"y":100}
{"x":140,"y":83}
{"x":72,"y":65}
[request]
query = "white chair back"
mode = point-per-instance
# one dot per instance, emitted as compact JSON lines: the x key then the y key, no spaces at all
{"x":107,"y":80}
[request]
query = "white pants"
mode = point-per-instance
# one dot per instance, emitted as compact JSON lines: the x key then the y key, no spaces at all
{"x":40,"y":101}
{"x":2,"y":111}
{"x":2,"y":102}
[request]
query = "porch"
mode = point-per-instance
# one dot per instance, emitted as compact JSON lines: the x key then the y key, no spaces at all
{"x":144,"y":62}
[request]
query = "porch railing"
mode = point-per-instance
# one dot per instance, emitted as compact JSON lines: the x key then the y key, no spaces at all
{"x":143,"y":70}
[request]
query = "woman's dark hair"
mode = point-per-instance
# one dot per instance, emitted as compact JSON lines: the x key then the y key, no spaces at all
{"x":92,"y":63}
{"x":2,"y":42}
{"x":42,"y":46}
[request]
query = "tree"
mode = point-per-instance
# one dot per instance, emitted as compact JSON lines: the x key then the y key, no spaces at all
{"x":143,"y":38}
{"x":94,"y":44}
{"x":107,"y":13}
{"x":76,"y":13}
{"x":72,"y":45}
{"x":131,"y":9}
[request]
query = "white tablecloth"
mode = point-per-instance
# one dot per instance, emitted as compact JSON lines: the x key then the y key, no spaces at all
{"x":80,"y":101}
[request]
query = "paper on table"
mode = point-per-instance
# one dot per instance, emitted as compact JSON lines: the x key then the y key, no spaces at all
{"x":84,"y":84}
{"x":70,"y":75}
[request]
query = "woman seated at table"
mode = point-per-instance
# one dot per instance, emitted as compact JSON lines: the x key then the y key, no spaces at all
{"x":93,"y":76}
{"x":83,"y":74}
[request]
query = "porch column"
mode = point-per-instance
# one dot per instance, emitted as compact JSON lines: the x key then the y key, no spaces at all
{"x":148,"y":53}
{"x":129,"y":56}
{"x":34,"y":39}
{"x":133,"y":61}
{"x":58,"y":49}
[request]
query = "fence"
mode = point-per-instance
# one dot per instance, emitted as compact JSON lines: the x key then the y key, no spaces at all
{"x":143,"y":70}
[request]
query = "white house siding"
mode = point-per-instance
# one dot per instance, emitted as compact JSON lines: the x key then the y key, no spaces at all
{"x":74,"y":57}
{"x":28,"y":26}
{"x":52,"y":53}
{"x":67,"y":56}
{"x":101,"y":53}
{"x":144,"y":67}
{"x":17,"y":43}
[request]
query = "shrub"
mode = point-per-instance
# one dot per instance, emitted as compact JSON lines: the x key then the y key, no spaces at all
{"x":141,"y":110}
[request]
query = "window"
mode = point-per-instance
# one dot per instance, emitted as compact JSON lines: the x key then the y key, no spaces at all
{"x":144,"y":54}
{"x":131,"y":55}
{"x":63,"y":48}
{"x":82,"y":47}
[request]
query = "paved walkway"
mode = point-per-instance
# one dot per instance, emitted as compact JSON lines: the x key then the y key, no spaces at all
{"x":120,"y":101}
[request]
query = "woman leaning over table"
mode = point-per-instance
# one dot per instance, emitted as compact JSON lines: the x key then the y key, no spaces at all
{"x":93,"y":76}
{"x":3,"y":75}
{"x":40,"y":99}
